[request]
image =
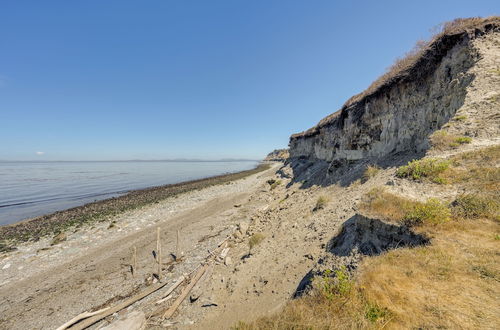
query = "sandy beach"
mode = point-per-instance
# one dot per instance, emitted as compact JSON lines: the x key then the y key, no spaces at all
{"x":41,"y":284}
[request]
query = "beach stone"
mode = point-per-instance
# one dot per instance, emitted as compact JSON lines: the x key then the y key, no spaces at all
{"x":228,"y":261}
{"x":133,"y":321}
{"x":243,"y":227}
{"x":6,"y":266}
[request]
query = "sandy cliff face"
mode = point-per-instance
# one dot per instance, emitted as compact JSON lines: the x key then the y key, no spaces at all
{"x":400,"y":115}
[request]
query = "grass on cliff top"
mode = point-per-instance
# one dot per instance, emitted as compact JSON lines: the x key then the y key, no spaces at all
{"x":103,"y":210}
{"x":453,"y":283}
{"x":405,"y":63}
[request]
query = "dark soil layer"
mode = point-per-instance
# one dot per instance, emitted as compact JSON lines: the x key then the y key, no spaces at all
{"x":56,"y":222}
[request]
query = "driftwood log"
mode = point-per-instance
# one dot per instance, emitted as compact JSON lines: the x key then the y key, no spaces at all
{"x":171,"y":310}
{"x":91,"y":320}
{"x":79,"y":317}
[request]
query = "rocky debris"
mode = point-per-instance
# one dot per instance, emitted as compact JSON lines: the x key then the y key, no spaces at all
{"x":372,"y":236}
{"x":243,"y":228}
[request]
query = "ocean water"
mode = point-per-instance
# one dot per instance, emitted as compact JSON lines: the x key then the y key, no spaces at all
{"x":30,"y":189}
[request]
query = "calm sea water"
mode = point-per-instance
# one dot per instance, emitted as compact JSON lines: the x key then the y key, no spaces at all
{"x":29,"y":189}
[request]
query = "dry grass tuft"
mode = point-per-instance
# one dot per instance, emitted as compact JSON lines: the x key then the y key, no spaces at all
{"x":370,"y":172}
{"x":442,"y":140}
{"x":473,"y":206}
{"x":388,"y":206}
{"x":320,"y":203}
{"x":477,"y":171}
{"x":255,"y":240}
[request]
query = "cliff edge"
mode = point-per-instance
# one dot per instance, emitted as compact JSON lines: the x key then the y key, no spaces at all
{"x":446,"y":77}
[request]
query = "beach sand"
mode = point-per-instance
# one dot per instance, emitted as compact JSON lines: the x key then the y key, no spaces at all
{"x":44,"y":285}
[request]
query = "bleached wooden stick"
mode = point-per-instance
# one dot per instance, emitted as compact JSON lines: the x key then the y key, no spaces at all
{"x":170,"y":311}
{"x":134,"y":261}
{"x":171,"y":289}
{"x":158,"y":250}
{"x":93,"y":319}
{"x":224,"y":253}
{"x":177,"y":249}
{"x":79,"y":317}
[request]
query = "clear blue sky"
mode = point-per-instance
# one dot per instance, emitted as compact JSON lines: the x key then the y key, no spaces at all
{"x":92,"y":79}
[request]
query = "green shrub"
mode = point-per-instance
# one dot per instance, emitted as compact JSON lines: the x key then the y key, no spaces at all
{"x":274,"y":183}
{"x":339,"y":285}
{"x":375,"y":313}
{"x":460,"y":118}
{"x":424,"y":168}
{"x":472,"y":206}
{"x":431,"y":212}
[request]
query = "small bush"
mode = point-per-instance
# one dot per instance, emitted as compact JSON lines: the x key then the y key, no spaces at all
{"x":370,"y":172}
{"x":429,"y":168}
{"x":339,"y":285}
{"x":273,"y":183}
{"x":472,"y":206}
{"x":320,"y":203}
{"x":254,"y":240}
{"x":375,"y":313}
{"x":431,"y":212}
{"x":460,"y":118}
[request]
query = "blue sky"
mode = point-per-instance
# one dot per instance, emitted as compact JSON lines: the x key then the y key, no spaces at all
{"x":85,"y":80}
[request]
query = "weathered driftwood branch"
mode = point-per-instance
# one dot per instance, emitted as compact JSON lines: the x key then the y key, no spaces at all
{"x":134,"y":261}
{"x":171,"y":289}
{"x":79,"y":317}
{"x":158,"y":251}
{"x":91,"y":320}
{"x":177,"y":247}
{"x":171,"y":310}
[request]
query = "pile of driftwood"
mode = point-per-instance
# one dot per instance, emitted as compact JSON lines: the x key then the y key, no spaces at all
{"x":87,"y":319}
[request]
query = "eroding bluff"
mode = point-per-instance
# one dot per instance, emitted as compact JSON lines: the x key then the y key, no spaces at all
{"x":401,"y":113}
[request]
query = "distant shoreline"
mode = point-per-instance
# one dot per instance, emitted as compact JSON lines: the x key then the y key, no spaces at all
{"x":49,"y":224}
{"x":231,"y":160}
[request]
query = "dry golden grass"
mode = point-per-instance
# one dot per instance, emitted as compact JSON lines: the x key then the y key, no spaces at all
{"x":382,"y":204}
{"x":442,"y":140}
{"x":453,"y":283}
{"x":378,"y":202}
{"x":476,"y":171}
{"x":370,"y":172}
